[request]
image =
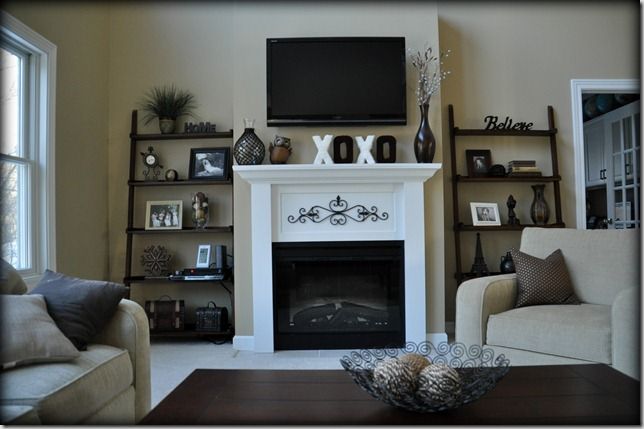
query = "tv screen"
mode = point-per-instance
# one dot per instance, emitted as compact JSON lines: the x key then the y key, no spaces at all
{"x":336,"y":80}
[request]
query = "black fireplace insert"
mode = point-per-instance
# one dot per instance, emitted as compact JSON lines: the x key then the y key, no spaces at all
{"x":338,"y":295}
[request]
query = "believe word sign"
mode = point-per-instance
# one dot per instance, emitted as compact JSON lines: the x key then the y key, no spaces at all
{"x":189,"y":127}
{"x":494,"y":124}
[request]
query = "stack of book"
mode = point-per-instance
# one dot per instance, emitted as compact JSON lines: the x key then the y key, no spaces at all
{"x":523,"y":168}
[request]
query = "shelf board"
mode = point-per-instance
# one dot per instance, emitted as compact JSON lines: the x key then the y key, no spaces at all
{"x":208,"y":229}
{"x":178,"y":182}
{"x":462,"y":227}
{"x":506,"y":179}
{"x":518,"y":133}
{"x":182,"y":136}
{"x":159,"y":279}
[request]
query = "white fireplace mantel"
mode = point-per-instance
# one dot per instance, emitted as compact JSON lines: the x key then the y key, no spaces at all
{"x":276,"y":192}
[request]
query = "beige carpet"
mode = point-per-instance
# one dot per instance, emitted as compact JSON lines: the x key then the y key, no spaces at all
{"x":173,"y":360}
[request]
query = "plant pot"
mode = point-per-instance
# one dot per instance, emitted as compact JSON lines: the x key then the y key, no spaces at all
{"x":166,"y":125}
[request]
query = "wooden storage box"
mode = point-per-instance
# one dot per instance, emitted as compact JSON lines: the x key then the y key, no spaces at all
{"x":212,"y":319}
{"x":165,"y":314}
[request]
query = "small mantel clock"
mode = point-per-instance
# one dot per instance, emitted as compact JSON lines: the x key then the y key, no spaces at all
{"x":151,"y":161}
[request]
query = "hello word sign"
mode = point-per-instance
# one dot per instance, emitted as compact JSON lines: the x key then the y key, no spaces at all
{"x":492,"y":123}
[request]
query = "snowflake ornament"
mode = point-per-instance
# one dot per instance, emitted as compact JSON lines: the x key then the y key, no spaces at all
{"x":155,"y":260}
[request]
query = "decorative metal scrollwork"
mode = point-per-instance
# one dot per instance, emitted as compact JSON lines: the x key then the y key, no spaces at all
{"x":338,"y":213}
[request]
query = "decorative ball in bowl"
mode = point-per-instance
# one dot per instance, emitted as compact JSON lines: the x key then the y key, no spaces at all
{"x":425,"y":377}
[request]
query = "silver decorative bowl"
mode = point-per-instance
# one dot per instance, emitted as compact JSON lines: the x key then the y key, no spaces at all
{"x":479,"y":372}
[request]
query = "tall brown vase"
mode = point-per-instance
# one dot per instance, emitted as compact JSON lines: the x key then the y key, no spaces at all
{"x":539,"y":210}
{"x":424,"y":142}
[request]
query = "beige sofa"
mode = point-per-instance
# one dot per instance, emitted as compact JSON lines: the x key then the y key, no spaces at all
{"x":604,"y":267}
{"x":108,"y":384}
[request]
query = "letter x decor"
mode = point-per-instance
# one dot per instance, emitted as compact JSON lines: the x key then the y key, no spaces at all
{"x":323,"y":156}
{"x":338,"y":213}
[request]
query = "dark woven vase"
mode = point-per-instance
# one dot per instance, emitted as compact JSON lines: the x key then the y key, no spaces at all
{"x":249,"y":149}
{"x":424,"y":142}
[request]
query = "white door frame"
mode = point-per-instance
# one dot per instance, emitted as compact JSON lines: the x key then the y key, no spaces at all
{"x":577,"y":88}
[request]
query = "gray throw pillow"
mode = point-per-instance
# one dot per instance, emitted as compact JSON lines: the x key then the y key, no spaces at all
{"x":29,"y":335}
{"x":10,"y":281}
{"x":81,"y":308}
{"x":542,"y":281}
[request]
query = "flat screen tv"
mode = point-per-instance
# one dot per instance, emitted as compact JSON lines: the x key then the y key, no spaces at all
{"x":336,"y":81}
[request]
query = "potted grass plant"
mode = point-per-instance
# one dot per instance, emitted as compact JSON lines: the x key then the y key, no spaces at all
{"x":167,"y":103}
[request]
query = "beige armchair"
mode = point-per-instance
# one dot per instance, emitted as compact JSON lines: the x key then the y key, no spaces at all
{"x":604,"y":267}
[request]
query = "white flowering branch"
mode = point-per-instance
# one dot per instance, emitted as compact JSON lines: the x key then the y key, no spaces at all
{"x":430,"y":74}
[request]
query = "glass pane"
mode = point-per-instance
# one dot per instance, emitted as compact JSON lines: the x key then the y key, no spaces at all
{"x":628,"y":167}
{"x":14,"y":215}
{"x":628,"y":133}
{"x":617,"y":168}
{"x":616,"y":135}
{"x":10,"y":96}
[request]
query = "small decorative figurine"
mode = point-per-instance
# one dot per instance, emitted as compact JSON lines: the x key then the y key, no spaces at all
{"x":200,"y":210}
{"x":479,"y":267}
{"x":280,"y":150}
{"x":512,"y":217}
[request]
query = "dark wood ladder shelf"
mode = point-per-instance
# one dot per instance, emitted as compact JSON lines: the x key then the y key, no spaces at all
{"x":459,"y":226}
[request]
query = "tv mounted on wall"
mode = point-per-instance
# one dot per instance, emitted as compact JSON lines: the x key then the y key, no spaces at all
{"x":336,"y":81}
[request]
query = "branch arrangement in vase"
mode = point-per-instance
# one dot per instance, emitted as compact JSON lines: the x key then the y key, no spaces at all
{"x":430,"y":73}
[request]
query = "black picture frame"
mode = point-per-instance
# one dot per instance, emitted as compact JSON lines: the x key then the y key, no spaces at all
{"x":478,"y":162}
{"x":211,"y":164}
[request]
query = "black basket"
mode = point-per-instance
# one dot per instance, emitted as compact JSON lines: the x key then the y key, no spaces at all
{"x":476,"y":366}
{"x":211,"y":319}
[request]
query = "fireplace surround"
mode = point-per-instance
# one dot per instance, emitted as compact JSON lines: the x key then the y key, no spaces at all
{"x":300,"y":203}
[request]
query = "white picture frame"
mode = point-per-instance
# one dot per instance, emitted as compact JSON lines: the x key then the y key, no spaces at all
{"x":160,"y":215}
{"x":485,"y":214}
{"x":203,"y":256}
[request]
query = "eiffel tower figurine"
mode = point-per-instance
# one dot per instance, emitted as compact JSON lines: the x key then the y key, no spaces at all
{"x":479,"y":267}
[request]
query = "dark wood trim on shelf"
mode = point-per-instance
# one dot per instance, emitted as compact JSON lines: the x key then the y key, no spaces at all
{"x":460,"y":178}
{"x":164,"y":279}
{"x":181,"y":136}
{"x":185,"y":229}
{"x":178,"y":182}
{"x":516,"y":133}
{"x":463,"y":227}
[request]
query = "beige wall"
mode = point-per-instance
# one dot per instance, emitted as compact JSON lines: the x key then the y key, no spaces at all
{"x":253,"y":23}
{"x":80,"y":31}
{"x":514,"y":61}
{"x":506,"y":61}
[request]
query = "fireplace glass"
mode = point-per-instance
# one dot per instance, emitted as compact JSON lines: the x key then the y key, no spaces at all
{"x":338,"y":295}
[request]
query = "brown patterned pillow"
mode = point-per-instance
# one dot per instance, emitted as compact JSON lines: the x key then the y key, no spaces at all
{"x":542,"y":281}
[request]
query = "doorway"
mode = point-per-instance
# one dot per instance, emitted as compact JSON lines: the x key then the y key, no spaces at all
{"x":606,"y":135}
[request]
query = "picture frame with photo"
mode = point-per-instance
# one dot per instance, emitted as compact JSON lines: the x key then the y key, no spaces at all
{"x":478,"y":162}
{"x":209,"y":163}
{"x":163,"y":215}
{"x":203,"y":256}
{"x":485,"y":214}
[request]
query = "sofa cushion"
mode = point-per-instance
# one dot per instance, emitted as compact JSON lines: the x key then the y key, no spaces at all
{"x":576,"y":331}
{"x":10,"y":281}
{"x":69,"y":392}
{"x":81,"y":308}
{"x":29,"y":335}
{"x":18,"y":415}
{"x":542,"y":281}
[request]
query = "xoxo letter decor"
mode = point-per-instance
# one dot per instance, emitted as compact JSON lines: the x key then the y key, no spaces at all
{"x":323,"y":144}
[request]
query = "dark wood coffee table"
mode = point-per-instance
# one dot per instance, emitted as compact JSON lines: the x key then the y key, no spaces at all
{"x":566,"y":394}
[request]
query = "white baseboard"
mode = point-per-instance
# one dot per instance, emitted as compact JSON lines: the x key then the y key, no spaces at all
{"x":244,"y":342}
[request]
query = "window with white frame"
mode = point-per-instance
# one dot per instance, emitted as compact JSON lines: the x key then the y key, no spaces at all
{"x":27,"y":64}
